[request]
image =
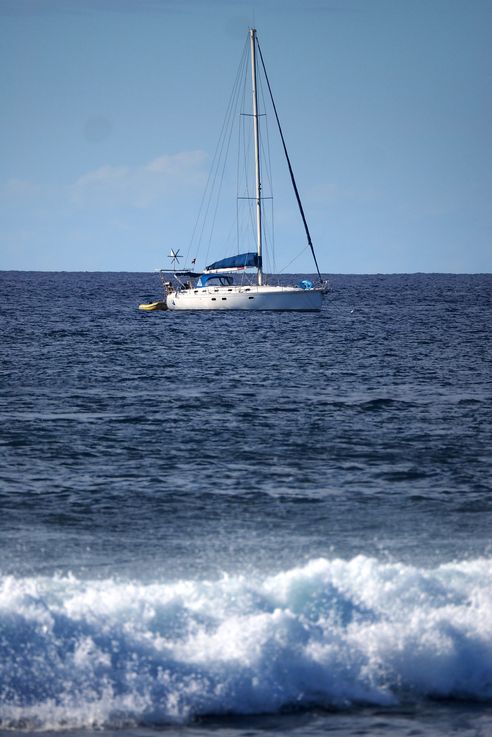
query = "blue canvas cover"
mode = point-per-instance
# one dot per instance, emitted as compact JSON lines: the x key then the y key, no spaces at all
{"x":241,"y":261}
{"x":306,"y":284}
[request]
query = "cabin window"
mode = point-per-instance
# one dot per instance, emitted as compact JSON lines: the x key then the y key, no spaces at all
{"x":224,"y":299}
{"x":214,"y":299}
{"x":250,"y":297}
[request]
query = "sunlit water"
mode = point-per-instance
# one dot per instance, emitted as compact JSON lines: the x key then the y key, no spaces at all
{"x":246,"y":524}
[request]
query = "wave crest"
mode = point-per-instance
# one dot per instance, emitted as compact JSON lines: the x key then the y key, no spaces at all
{"x":333,"y":633}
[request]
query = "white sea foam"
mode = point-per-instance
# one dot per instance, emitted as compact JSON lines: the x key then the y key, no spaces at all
{"x":331,"y":633}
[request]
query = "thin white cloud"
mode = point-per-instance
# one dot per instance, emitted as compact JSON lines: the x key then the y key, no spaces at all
{"x":140,"y":186}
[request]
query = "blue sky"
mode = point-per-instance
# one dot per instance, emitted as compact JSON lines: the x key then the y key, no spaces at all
{"x":111,"y":111}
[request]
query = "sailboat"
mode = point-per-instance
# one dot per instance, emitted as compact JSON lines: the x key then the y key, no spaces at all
{"x":214,"y":288}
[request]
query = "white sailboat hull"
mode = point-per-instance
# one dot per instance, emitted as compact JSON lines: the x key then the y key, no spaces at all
{"x":246,"y":298}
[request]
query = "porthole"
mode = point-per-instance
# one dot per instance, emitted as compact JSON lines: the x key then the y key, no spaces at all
{"x":250,"y":297}
{"x":224,"y":299}
{"x":214,"y":299}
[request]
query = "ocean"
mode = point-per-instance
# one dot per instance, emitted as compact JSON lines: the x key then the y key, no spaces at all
{"x":246,"y":524}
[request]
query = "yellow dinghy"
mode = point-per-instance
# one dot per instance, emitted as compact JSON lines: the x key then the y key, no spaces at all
{"x":151,"y":306}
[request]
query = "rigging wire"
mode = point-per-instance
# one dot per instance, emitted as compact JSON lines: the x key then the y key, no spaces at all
{"x":291,"y":172}
{"x":212,"y":224}
{"x":241,"y":163}
{"x":249,"y":222}
{"x":267,"y":169}
{"x":207,"y":213}
{"x":224,"y":156}
{"x":205,"y":204}
{"x":294,"y":259}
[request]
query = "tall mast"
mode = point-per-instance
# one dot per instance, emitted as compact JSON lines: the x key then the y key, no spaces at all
{"x":252,"y":35}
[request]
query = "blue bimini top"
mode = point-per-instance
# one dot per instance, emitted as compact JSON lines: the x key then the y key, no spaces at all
{"x":241,"y":261}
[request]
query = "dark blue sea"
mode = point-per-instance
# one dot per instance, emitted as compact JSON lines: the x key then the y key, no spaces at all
{"x":246,"y":524}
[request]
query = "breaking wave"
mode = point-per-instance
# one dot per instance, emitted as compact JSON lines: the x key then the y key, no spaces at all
{"x":331,"y":633}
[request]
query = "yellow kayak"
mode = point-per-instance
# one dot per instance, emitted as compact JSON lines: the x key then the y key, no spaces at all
{"x":151,"y":306}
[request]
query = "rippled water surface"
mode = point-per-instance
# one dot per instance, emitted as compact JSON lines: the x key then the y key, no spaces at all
{"x":239,"y":523}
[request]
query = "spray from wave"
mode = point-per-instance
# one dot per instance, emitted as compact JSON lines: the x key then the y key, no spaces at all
{"x":328,"y":634}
